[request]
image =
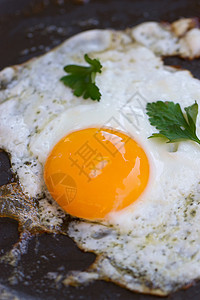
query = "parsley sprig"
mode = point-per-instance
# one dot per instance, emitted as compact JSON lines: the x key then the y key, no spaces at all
{"x":171,"y":122}
{"x":82,"y":79}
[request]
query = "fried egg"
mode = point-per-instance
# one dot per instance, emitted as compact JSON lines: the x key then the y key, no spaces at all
{"x":136,"y":200}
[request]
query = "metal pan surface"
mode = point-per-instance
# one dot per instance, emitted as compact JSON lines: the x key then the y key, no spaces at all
{"x":29,"y":28}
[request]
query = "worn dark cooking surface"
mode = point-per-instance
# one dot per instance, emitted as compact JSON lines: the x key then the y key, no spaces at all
{"x":27,"y":29}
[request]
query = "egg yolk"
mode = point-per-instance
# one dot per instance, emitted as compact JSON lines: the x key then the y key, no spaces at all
{"x":94,"y":171}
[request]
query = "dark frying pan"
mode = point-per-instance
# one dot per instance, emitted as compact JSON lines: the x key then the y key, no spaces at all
{"x":29,"y":28}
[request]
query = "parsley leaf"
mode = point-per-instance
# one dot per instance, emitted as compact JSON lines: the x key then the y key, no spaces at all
{"x":82,"y":79}
{"x":169,"y":119}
